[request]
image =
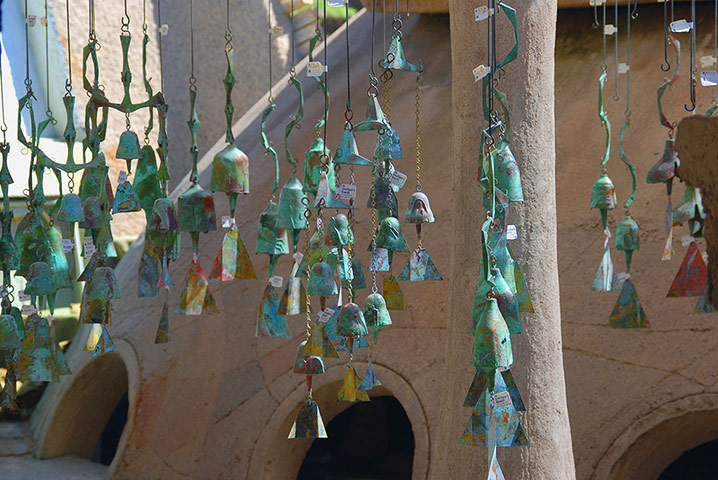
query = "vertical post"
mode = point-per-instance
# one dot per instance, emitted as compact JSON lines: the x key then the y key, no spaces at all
{"x":538,"y":365}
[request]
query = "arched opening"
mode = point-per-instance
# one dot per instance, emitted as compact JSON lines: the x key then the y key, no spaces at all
{"x":369,"y":440}
{"x":91,"y":416}
{"x":699,"y":462}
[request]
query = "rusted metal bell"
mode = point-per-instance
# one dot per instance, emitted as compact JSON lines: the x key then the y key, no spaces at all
{"x":603,"y":193}
{"x":164,"y":216}
{"x":375,"y":119}
{"x":351,"y":321}
{"x":308,"y":364}
{"x":375,"y":312}
{"x":196,"y":210}
{"x":508,"y":177}
{"x":292,"y":206}
{"x":9,"y":333}
{"x":339,"y":233}
{"x":92,"y":212}
{"x":103,"y":285}
{"x":71,"y":209}
{"x":419,"y":209}
{"x":321,"y":280}
{"x":382,"y":197}
{"x":129,"y":146}
{"x":40,"y":280}
{"x":492,"y":341}
{"x":347,"y":152}
{"x":230,"y":171}
{"x":388,"y":145}
{"x":390,"y":236}
{"x":665,"y":168}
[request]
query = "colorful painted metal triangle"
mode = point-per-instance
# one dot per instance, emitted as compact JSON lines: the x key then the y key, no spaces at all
{"x":232,"y":261}
{"x":395,"y":59}
{"x":294,"y":298}
{"x":668,"y":228}
{"x":347,"y":152}
{"x":419,"y":268}
{"x":308,"y":423}
{"x":163,"y":329}
{"x":522,"y":291}
{"x":628,"y":312}
{"x":513,"y":390}
{"x":703,"y":305}
{"x":692,"y":277}
{"x":93,"y":337}
{"x":370,"y":381}
{"x":148,"y":275}
{"x":392,"y":293}
{"x":104,"y":344}
{"x":606,"y":279}
{"x":350,"y":391}
{"x":196,"y":297}
{"x":478,"y":385}
{"x":269,"y":322}
{"x":61,"y":365}
{"x":126,"y":200}
{"x":9,"y":334}
{"x":318,"y":343}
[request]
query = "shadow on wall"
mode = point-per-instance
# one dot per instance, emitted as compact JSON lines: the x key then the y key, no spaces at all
{"x":371,"y":441}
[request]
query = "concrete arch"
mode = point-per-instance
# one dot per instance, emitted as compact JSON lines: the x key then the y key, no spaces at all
{"x":275,"y":456}
{"x":73,"y":416}
{"x":653,"y":442}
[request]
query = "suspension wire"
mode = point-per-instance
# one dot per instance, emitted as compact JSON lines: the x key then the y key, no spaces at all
{"x":604,"y":67}
{"x":68,"y":83}
{"x":159,"y":44}
{"x":692,"y":79}
{"x":666,"y":65}
{"x":28,"y":82}
{"x":349,"y":91}
{"x":617,"y":95}
{"x":192,"y":78}
{"x":714,"y":100}
{"x":48,"y":112}
{"x":269,"y":36}
{"x":294,"y":58}
{"x":326,"y":76}
{"x":628,"y":59}
{"x":3,"y":127}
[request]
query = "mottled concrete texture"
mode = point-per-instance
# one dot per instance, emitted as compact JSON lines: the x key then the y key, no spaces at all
{"x":442,"y":6}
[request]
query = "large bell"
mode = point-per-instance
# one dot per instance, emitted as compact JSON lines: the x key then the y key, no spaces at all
{"x":146,"y":184}
{"x":665,"y":168}
{"x":71,"y":209}
{"x":103,"y":285}
{"x":506,"y":171}
{"x":388,"y":145}
{"x":492,"y":341}
{"x":9,"y":333}
{"x":390,"y":236}
{"x":375,"y":119}
{"x":129,"y":146}
{"x":419,"y":210}
{"x":395,"y":59}
{"x":40,"y":280}
{"x":351,"y":321}
{"x":230,"y":171}
{"x":92,"y":213}
{"x":36,"y":363}
{"x":164,"y":216}
{"x":292,"y":206}
{"x":195,"y":209}
{"x":339,"y":233}
{"x":382,"y":196}
{"x":270,"y":239}
{"x":321,"y":280}
{"x":375,"y":312}
{"x":627,"y":238}
{"x":313,"y":166}
{"x":347,"y":152}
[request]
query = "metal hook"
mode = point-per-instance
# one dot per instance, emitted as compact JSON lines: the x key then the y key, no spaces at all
{"x":666,"y":65}
{"x":692,"y":84}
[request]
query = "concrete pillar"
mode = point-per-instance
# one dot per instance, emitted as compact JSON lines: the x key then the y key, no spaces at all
{"x":538,"y":365}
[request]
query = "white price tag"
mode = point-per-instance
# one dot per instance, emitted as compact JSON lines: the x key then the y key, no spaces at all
{"x":276,"y":281}
{"x":511,"y":232}
{"x":315,"y":69}
{"x":348,"y":191}
{"x":164,"y":29}
{"x":482,"y":13}
{"x":598,"y":3}
{"x":687,"y":240}
{"x":501,"y":399}
{"x":623,"y":68}
{"x":336,"y":3}
{"x":609,"y":29}
{"x":298,"y":257}
{"x":709,"y":78}
{"x":30,"y":20}
{"x":623,"y":276}
{"x":122,"y":177}
{"x":22,"y":296}
{"x":379,"y":260}
{"x":227,"y":221}
{"x":325,"y":315}
{"x":28,"y":309}
{"x":681,"y":26}
{"x":707,"y":61}
{"x":67,"y":245}
{"x":89,"y":247}
{"x":398,"y":179}
{"x":277,"y":31}
{"x":480,"y":72}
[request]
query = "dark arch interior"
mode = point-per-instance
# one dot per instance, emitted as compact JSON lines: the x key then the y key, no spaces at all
{"x":110,"y":438}
{"x":368,"y":441}
{"x":699,"y":462}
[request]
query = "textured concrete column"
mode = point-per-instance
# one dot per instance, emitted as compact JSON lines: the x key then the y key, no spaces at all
{"x":538,"y":366}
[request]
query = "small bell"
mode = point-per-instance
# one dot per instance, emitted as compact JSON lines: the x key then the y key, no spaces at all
{"x":419,"y":210}
{"x":506,"y":171}
{"x":347,"y":152}
{"x":603,"y":196}
{"x":103,"y":285}
{"x":628,"y":312}
{"x":126,"y":200}
{"x":230,"y":171}
{"x":308,"y":364}
{"x":271,"y":240}
{"x":390,"y":236}
{"x":382,"y":196}
{"x":326,"y":195}
{"x":351,"y":321}
{"x":9,"y":334}
{"x":129,"y":146}
{"x":388,"y":145}
{"x":308,"y":423}
{"x":92,"y":212}
{"x":375,"y":119}
{"x":40,"y":280}
{"x":71,"y":209}
{"x":313,"y":167}
{"x":627,"y":238}
{"x":292,"y":209}
{"x":321,"y":280}
{"x":376,"y":314}
{"x":146,"y":184}
{"x":492,"y":341}
{"x":395,"y":59}
{"x":339,"y":232}
{"x":665,"y":168}
{"x":196,"y":212}
{"x":164,"y":216}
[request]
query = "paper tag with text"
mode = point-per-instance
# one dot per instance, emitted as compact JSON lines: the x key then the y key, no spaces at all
{"x":623,"y":68}
{"x":709,"y":78}
{"x":67,"y":245}
{"x":707,"y":61}
{"x":482,"y":13}
{"x":315,"y":69}
{"x":298,"y":257}
{"x":164,"y":29}
{"x":30,"y":20}
{"x":596,"y":3}
{"x":501,"y":399}
{"x":347,"y":192}
{"x":277,"y":31}
{"x":276,"y":281}
{"x":623,"y":276}
{"x":687,"y":240}
{"x":511,"y":232}
{"x":122,"y":177}
{"x":336,"y":3}
{"x":398,"y":179}
{"x":28,"y":309}
{"x":89,"y":247}
{"x":609,"y":29}
{"x":325,"y":315}
{"x":227,"y":221}
{"x":681,"y":26}
{"x":480,"y":72}
{"x":22,"y":296}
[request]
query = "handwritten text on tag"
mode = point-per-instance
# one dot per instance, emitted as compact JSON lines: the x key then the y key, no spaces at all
{"x":277,"y":30}
{"x":398,"y":179}
{"x":501,"y":399}
{"x":28,"y":309}
{"x":164,"y":29}
{"x":348,"y":191}
{"x":30,"y":20}
{"x":609,"y":29}
{"x":227,"y":221}
{"x":480,"y":72}
{"x":325,"y":315}
{"x":707,"y":61}
{"x":482,"y":13}
{"x":511,"y":232}
{"x":122,"y":178}
{"x":709,"y":78}
{"x":67,"y":245}
{"x":22,"y":296}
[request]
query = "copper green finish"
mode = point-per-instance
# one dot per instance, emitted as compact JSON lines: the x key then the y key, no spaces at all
{"x":230,"y":171}
{"x":370,"y":381}
{"x":229,"y":81}
{"x":92,"y":213}
{"x":492,"y":341}
{"x":390,"y":237}
{"x":129,"y":146}
{"x":347,"y":152}
{"x":376,"y":314}
{"x":271,"y":240}
{"x":419,"y":210}
{"x":321,"y":280}
{"x":395,"y":59}
{"x":507,"y":301}
{"x":269,"y":322}
{"x":690,"y":205}
{"x":146,"y":182}
{"x":196,"y":212}
{"x":71,"y":209}
{"x":315,"y":252}
{"x":358,"y":281}
{"x":507,"y":173}
{"x":339,"y":233}
{"x":375,"y":119}
{"x":193,"y":125}
{"x":624,"y":159}
{"x":292,"y":209}
{"x":392,"y":293}
{"x":294,"y":122}
{"x":9,"y":256}
{"x":103,"y":285}
{"x":388,"y":145}
{"x":307,"y":364}
{"x":308,"y":423}
{"x":603,"y":197}
{"x":321,"y":80}
{"x":351,"y":321}
{"x":604,"y":119}
{"x":419,"y":268}
{"x":627,"y":238}
{"x":164,"y":216}
{"x":148,"y":273}
{"x":313,"y":166}
{"x":381,"y":195}
{"x":36,"y":363}
{"x":9,"y":334}
{"x":126,"y":200}
{"x":628,"y":312}
{"x":40,"y":280}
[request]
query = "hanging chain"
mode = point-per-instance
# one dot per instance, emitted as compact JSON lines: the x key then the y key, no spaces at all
{"x":418,"y":139}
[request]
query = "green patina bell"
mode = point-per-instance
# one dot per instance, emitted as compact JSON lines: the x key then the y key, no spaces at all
{"x":313,"y":166}
{"x":347,"y":152}
{"x":230,"y":171}
{"x":358,"y":281}
{"x":270,"y":239}
{"x":492,"y":341}
{"x":395,"y":59}
{"x":103,"y":285}
{"x":316,"y":252}
{"x":292,"y":209}
{"x":390,"y":236}
{"x":321,"y":280}
{"x":10,"y":337}
{"x":126,"y":199}
{"x":92,"y":213}
{"x":507,"y":301}
{"x":506,"y":171}
{"x":382,"y":197}
{"x":603,"y":196}
{"x":375,"y":312}
{"x":627,"y":238}
{"x":146,"y":183}
{"x":388,"y":145}
{"x":36,"y":363}
{"x":690,"y":205}
{"x":195,"y":209}
{"x":9,"y":258}
{"x":419,"y":210}
{"x":338,"y":259}
{"x":71,"y":209}
{"x":665,"y":168}
{"x":339,"y":233}
{"x":375,"y":119}
{"x":40,"y":280}
{"x":164,"y":216}
{"x":351,"y":321}
{"x":308,"y":364}
{"x":129,"y":147}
